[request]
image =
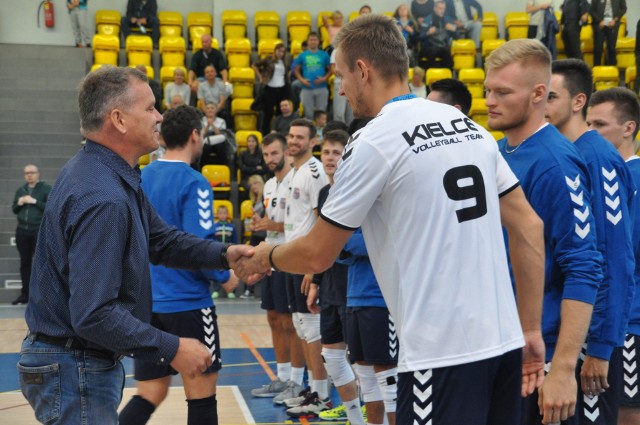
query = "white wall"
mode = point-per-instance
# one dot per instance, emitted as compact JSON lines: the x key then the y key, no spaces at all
{"x":18,"y":17}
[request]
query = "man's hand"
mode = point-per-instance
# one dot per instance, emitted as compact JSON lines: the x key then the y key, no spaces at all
{"x":231,"y":284}
{"x":306,"y":284}
{"x":192,"y":358}
{"x":594,"y":376}
{"x":142,"y":21}
{"x":532,"y":362}
{"x":431,"y":30}
{"x":305,"y":82}
{"x":557,"y":395}
{"x":252,"y":267}
{"x":312,"y":299}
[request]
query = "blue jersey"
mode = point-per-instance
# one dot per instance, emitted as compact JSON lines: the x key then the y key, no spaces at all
{"x":362,"y":286}
{"x":312,"y":66}
{"x":634,"y":317}
{"x":555,"y":181}
{"x":183,"y":198}
{"x":612,"y":198}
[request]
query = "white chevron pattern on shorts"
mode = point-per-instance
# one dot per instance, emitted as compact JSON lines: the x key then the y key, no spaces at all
{"x":630,"y":366}
{"x":393,"y":339}
{"x":209,"y":334}
{"x":422,"y":401}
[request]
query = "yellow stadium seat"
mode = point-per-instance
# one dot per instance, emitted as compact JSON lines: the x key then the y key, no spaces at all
{"x":497,"y":135}
{"x":139,"y":49}
{"x":267,"y":25}
{"x":296,"y":48}
{"x":234,"y":24}
{"x":106,"y":49}
{"x":559,"y":41}
{"x":464,"y":54}
{"x":238,"y":51}
{"x":241,"y":138}
{"x":388,"y":14}
{"x":198,"y":23}
{"x":353,"y":15}
{"x":622,"y":29}
{"x":197,"y":44}
{"x":630,"y":76}
{"x":172,"y":51}
{"x":605,"y":77}
{"x":149,"y":71}
{"x":246,"y":213}
{"x":243,"y":117}
{"x":298,"y":25}
{"x":435,"y":74}
{"x":144,"y":159}
{"x":95,"y":66}
{"x":219,"y":177}
{"x":170,"y":24}
{"x":166,"y":74}
{"x":322,"y":29}
{"x":489,"y":26}
{"x":586,"y":32}
{"x":587,"y":51}
{"x":243,"y":80}
{"x":625,"y":52}
{"x":489,"y":46}
{"x":479,"y":112}
{"x":222,"y":202}
{"x":517,"y":25}
{"x":267,"y":47}
{"x":108,"y":22}
{"x":474,"y":79}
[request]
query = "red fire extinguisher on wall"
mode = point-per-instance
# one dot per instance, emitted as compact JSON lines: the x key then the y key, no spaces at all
{"x":49,"y":20}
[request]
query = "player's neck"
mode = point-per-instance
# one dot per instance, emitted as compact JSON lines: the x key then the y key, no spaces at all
{"x":280,"y":174}
{"x":517,"y":135}
{"x":574,"y":128}
{"x":183,"y":155}
{"x":386,"y":94}
{"x":301,"y":160}
{"x":626,"y":149}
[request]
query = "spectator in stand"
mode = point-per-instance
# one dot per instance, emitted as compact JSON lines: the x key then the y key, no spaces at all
{"x":536,"y":9}
{"x":177,"y":87}
{"x":212,"y":90}
{"x":78,"y":17}
{"x":452,"y":92}
{"x":141,"y":14}
{"x":296,"y":85}
{"x":282,"y":122}
{"x":274,"y":78}
{"x":156,"y":88}
{"x":225,"y":232}
{"x":203,"y":57}
{"x":176,"y":100}
{"x":333,"y":27}
{"x":256,"y":196}
{"x":215,"y":150}
{"x":575,"y":14}
{"x":364,"y":9}
{"x":312,"y":68}
{"x":409,"y":29}
{"x":420,"y":9}
{"x":435,"y":36}
{"x":605,"y":18}
{"x":250,"y":161}
{"x":416,"y":84}
{"x":462,"y":14}
{"x":28,"y":206}
{"x":341,"y":109}
{"x":320,"y":121}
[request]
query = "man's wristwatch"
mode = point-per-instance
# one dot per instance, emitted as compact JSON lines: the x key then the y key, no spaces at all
{"x":223,"y":256}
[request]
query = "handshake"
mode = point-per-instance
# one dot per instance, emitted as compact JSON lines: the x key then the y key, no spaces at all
{"x":250,"y":263}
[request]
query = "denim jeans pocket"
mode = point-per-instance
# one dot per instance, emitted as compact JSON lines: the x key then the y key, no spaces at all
{"x":41,"y":387}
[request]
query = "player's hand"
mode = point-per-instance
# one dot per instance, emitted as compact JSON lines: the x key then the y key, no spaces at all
{"x":252,"y":268}
{"x":593,"y":376}
{"x":557,"y":395}
{"x":312,"y":299}
{"x":231,"y":284}
{"x":192,"y":358}
{"x":532,"y":362}
{"x":307,"y":280}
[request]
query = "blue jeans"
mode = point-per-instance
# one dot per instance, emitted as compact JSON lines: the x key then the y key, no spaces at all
{"x":67,"y":386}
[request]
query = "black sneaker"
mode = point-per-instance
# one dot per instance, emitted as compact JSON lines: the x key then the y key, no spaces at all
{"x":20,"y":300}
{"x":310,"y":407}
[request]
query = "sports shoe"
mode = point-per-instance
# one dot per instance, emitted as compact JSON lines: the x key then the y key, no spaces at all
{"x":310,"y":407}
{"x":271,"y":389}
{"x":296,"y":400}
{"x":247,"y":295}
{"x":336,"y":414}
{"x":215,"y":295}
{"x":292,"y":390}
{"x":231,"y":296}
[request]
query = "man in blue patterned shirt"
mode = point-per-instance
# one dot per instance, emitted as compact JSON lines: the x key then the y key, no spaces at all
{"x":91,"y":294}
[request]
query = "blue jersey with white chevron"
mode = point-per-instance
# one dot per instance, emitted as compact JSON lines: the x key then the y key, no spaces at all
{"x":183,"y":198}
{"x":612,"y":200}
{"x":634,"y":317}
{"x":556,"y":183}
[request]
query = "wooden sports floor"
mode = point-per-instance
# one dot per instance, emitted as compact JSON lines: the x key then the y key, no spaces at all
{"x":247,"y":356}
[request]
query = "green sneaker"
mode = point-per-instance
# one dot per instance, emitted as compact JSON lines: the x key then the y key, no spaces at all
{"x":215,"y":295}
{"x":336,"y":414}
{"x":231,"y":296}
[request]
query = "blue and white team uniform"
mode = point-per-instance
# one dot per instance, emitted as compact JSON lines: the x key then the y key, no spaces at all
{"x":631,"y":349}
{"x":423,"y":181}
{"x":556,"y":183}
{"x":612,"y":199}
{"x":182,"y":301}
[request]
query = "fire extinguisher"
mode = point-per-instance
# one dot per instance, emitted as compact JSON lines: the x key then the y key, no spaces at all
{"x":49,"y":20}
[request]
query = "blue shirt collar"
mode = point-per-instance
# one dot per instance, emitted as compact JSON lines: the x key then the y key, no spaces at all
{"x":114,"y":161}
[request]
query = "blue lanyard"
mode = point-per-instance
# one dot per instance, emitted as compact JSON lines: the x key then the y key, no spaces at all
{"x":402,"y":97}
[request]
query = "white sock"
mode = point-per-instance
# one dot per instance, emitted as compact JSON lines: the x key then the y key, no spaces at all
{"x":320,"y":386}
{"x":284,"y":371}
{"x":354,"y":413}
{"x":297,"y":373}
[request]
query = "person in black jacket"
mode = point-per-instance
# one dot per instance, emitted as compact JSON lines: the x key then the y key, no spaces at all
{"x":575,"y":14}
{"x":142,"y":14}
{"x":605,"y":17}
{"x":250,"y":161}
{"x":28,"y":206}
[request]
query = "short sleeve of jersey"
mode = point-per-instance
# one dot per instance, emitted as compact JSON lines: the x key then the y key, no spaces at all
{"x":505,"y":178}
{"x":361,"y":176}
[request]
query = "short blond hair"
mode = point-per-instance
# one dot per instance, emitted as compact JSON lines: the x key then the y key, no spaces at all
{"x":527,"y":52}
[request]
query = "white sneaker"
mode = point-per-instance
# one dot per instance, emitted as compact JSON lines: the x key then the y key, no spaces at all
{"x":295,"y":401}
{"x":292,"y":390}
{"x":310,"y":407}
{"x":271,"y":389}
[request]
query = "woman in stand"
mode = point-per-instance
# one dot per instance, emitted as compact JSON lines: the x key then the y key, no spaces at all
{"x":274,"y":80}
{"x":250,"y":161}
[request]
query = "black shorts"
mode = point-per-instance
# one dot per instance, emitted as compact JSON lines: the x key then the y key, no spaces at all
{"x":371,"y":336}
{"x":297,"y":300}
{"x":199,"y":324}
{"x":482,"y":392}
{"x":631,"y":372}
{"x":333,"y":324}
{"x":274,"y":293}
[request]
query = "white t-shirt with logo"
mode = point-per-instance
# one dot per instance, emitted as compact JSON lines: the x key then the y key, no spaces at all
{"x":275,"y":203}
{"x":423,"y":181}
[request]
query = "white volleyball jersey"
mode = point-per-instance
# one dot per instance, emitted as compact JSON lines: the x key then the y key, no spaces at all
{"x":304,"y":186}
{"x":275,"y":202}
{"x":423,"y":181}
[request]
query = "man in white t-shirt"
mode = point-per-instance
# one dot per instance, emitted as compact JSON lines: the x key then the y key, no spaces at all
{"x":429,"y":188}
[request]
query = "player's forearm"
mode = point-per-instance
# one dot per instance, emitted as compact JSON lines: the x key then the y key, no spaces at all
{"x":575,"y":318}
